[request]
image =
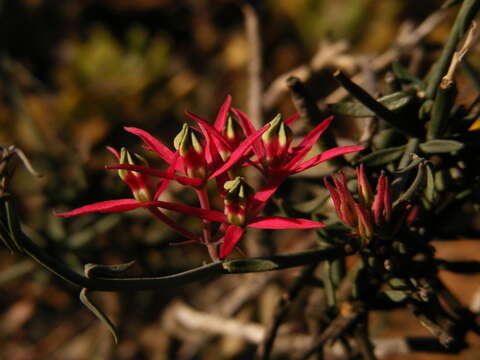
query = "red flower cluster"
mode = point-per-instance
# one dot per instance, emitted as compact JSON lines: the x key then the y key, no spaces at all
{"x":372,"y":214}
{"x":206,"y":152}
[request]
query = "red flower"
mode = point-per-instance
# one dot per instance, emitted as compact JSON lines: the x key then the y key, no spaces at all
{"x":372,"y":214}
{"x":216,"y":152}
{"x":240,"y":213}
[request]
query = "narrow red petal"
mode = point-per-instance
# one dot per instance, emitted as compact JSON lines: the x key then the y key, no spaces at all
{"x":211,"y":215}
{"x":163,"y":184}
{"x":279,"y":222}
{"x":223,"y":113}
{"x":209,"y":131}
{"x":195,"y":182}
{"x":108,"y":206}
{"x":378,"y":201}
{"x":155,"y":145}
{"x":239,"y":152}
{"x":327,"y":155}
{"x":230,"y":240}
{"x":292,"y":119}
{"x":249,"y":129}
{"x":335,"y":197}
{"x":171,"y":224}
{"x":245,"y":122}
{"x":259,"y":200}
{"x":114,"y":152}
{"x":308,"y":141}
{"x":387,"y":201}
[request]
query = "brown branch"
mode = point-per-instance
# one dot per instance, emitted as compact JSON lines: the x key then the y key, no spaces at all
{"x":281,"y":312}
{"x":254,"y":65}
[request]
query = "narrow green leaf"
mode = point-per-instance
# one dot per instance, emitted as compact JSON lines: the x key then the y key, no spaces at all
{"x":95,"y":270}
{"x":13,"y":224}
{"x":98,"y":313}
{"x":249,"y":265}
{"x":413,"y":164}
{"x":404,"y":75}
{"x":392,"y":102}
{"x":383,"y":156}
{"x":416,"y":186}
{"x":439,"y":146}
{"x":430,"y":185}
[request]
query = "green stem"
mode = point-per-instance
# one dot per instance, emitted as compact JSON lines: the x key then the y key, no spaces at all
{"x":465,"y":15}
{"x":444,"y":100}
{"x":235,"y":266}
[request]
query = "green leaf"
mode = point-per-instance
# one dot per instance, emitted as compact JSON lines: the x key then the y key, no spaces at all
{"x":397,"y":283}
{"x":98,"y":313}
{"x":393,"y":102}
{"x":413,"y":164}
{"x":404,"y":75}
{"x":416,"y":186}
{"x":249,"y":265}
{"x":439,"y":146}
{"x":430,"y":186}
{"x":383,"y":156}
{"x":396,"y":295}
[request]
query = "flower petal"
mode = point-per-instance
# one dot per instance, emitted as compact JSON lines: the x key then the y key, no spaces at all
{"x":249,"y":129}
{"x":259,"y":200}
{"x":334,"y":195}
{"x":239,"y":152}
{"x":108,"y":206}
{"x":131,"y":204}
{"x":245,"y":122}
{"x":230,"y":240}
{"x":327,"y":155}
{"x":163,"y":184}
{"x":292,"y":119}
{"x":195,"y":182}
{"x":279,"y":222}
{"x":156,"y":146}
{"x":209,"y":131}
{"x":223,"y":113}
{"x":308,"y":141}
{"x":211,"y":215}
{"x":114,"y":152}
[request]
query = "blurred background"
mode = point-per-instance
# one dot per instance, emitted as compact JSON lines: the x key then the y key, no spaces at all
{"x":74,"y":73}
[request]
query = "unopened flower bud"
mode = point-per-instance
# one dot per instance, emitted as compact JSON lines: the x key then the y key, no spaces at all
{"x":232,"y":131}
{"x":364,"y":225}
{"x":135,"y":180}
{"x":365,"y":193}
{"x":192,"y":152}
{"x":238,"y":193}
{"x":382,"y":203}
{"x":277,"y":140}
